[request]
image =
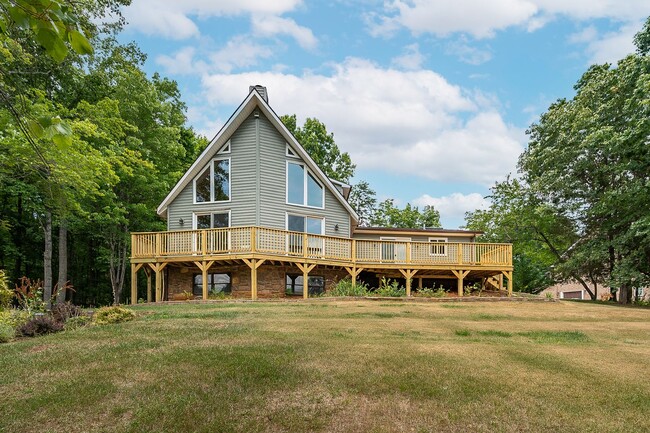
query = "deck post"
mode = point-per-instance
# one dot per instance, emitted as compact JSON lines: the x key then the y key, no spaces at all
{"x":460,"y":275}
{"x":500,"y":282}
{"x":204,"y":280}
{"x":508,"y":275}
{"x":420,"y":283}
{"x":306,"y":269}
{"x":148,"y":272}
{"x":158,"y":285}
{"x":408,"y":276}
{"x":134,"y":284}
{"x":354,"y":272}
{"x":253,"y":264}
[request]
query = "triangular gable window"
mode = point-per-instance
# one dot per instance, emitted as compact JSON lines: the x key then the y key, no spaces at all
{"x":225,"y":148}
{"x":290,"y":152}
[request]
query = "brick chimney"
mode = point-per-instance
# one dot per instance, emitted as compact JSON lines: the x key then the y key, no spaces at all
{"x":261,"y":90}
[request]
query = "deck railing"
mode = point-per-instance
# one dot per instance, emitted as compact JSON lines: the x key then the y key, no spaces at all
{"x":267,"y":241}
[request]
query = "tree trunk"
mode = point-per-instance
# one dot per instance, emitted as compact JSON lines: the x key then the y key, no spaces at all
{"x":624,"y":294}
{"x":117,"y":268}
{"x":47,"y":261}
{"x":63,"y":261}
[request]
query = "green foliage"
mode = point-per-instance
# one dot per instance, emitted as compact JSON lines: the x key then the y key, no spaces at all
{"x":30,"y":295}
{"x":6,"y":295}
{"x":76,"y":322}
{"x":390,"y":288}
{"x":218,"y":296}
{"x":14,"y":317}
{"x":431,"y":292}
{"x":114,"y":314}
{"x":322,"y":148}
{"x":389,"y":215}
{"x":7,"y":333}
{"x":345,"y":288}
{"x":363,"y":201}
{"x":40,"y":325}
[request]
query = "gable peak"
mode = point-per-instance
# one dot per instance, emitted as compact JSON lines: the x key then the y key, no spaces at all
{"x":261,"y":90}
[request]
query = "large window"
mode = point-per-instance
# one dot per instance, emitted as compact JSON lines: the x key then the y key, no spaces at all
{"x":304,"y":224}
{"x":215,"y":220}
{"x":302,"y":187}
{"x":438,"y":246}
{"x":217,"y":283}
{"x":213,"y":184}
{"x":295,"y":285}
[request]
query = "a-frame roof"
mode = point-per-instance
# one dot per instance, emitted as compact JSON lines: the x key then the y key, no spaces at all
{"x":252,"y":101}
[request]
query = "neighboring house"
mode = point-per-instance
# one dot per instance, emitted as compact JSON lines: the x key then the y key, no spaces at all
{"x":574,"y":290}
{"x":255,"y":216}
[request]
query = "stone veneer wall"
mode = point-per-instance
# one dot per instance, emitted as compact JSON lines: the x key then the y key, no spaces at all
{"x":271,"y":281}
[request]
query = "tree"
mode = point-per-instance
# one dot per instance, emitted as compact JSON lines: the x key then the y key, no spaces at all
{"x":363,"y":201}
{"x":389,"y":215}
{"x":321,"y":147}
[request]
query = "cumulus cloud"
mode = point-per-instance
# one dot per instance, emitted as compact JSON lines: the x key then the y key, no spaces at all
{"x":453,"y":207}
{"x":411,"y":59}
{"x":482,"y":19}
{"x":608,"y":47}
{"x":413,"y":122}
{"x":173,"y":19}
{"x":274,"y":25}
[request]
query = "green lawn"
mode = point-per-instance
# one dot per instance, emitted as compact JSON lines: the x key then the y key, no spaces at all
{"x":338,"y":366}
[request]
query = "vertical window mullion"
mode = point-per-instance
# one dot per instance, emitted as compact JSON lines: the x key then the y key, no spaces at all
{"x":305,"y":198}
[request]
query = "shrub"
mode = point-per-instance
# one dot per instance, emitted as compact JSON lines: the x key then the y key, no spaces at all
{"x":432,"y":292}
{"x":14,"y":317}
{"x":390,"y":288}
{"x":549,"y":295}
{"x":76,"y":322}
{"x":115,"y":314}
{"x":7,"y":333}
{"x":6,"y":295}
{"x":66,"y":310}
{"x":469,"y":288}
{"x":30,"y":295}
{"x":40,"y":325}
{"x":346,"y":288}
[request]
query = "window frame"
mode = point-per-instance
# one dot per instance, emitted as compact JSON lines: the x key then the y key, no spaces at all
{"x":306,"y":173}
{"x":294,"y":277}
{"x":210,"y":274}
{"x":290,"y":152}
{"x":435,"y":242}
{"x":195,"y":220}
{"x":211,"y":169}
{"x":322,"y":224}
{"x":225,"y":149}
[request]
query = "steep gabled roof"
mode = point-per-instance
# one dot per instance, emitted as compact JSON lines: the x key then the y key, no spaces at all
{"x":252,"y":101}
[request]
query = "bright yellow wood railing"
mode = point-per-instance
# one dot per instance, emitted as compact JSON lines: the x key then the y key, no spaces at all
{"x":268,"y":241}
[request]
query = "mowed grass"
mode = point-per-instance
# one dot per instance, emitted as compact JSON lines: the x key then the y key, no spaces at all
{"x":337,"y":366}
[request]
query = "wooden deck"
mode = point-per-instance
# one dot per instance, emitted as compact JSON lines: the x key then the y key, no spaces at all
{"x":255,"y":245}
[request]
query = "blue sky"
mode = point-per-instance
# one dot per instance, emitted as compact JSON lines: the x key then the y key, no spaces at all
{"x":430,"y":98}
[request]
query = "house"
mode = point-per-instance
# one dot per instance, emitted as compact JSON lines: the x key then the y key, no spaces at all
{"x":574,"y":290}
{"x":254,"y":216}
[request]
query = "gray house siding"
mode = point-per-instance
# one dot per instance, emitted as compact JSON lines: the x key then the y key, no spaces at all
{"x":418,"y":238}
{"x":258,"y":163}
{"x":242,"y":185}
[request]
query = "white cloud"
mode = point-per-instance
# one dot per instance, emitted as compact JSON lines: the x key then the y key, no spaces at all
{"x":453,"y":207}
{"x":609,"y":47}
{"x":482,"y":19}
{"x":412,"y":122}
{"x":274,"y":25}
{"x":467,"y":53}
{"x":239,"y":52}
{"x":411,"y":59}
{"x":172,"y":18}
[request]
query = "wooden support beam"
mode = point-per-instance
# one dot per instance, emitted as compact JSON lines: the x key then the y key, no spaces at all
{"x":460,"y":275}
{"x":306,"y":269}
{"x":158,"y":268}
{"x":134,"y":284}
{"x":253,"y":264}
{"x":147,"y":271}
{"x":408,"y":275}
{"x":420,"y":283}
{"x":204,"y":266}
{"x":508,"y":275}
{"x":354,"y":273}
{"x":500,"y":282}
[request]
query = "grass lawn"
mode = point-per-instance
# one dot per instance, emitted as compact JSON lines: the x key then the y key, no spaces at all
{"x":358,"y":366}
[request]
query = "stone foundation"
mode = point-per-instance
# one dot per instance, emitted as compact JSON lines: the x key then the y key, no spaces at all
{"x":271,"y":279}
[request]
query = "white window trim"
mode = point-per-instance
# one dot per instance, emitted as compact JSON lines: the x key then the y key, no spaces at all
{"x":306,"y":173}
{"x":317,"y":217}
{"x":195,"y":216}
{"x":290,"y":152}
{"x":439,"y":240}
{"x":211,"y":168}
{"x":223,"y":150}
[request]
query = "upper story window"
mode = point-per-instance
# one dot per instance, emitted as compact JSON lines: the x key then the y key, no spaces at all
{"x":302,"y":187}
{"x":213,"y":184}
{"x":438,"y":246}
